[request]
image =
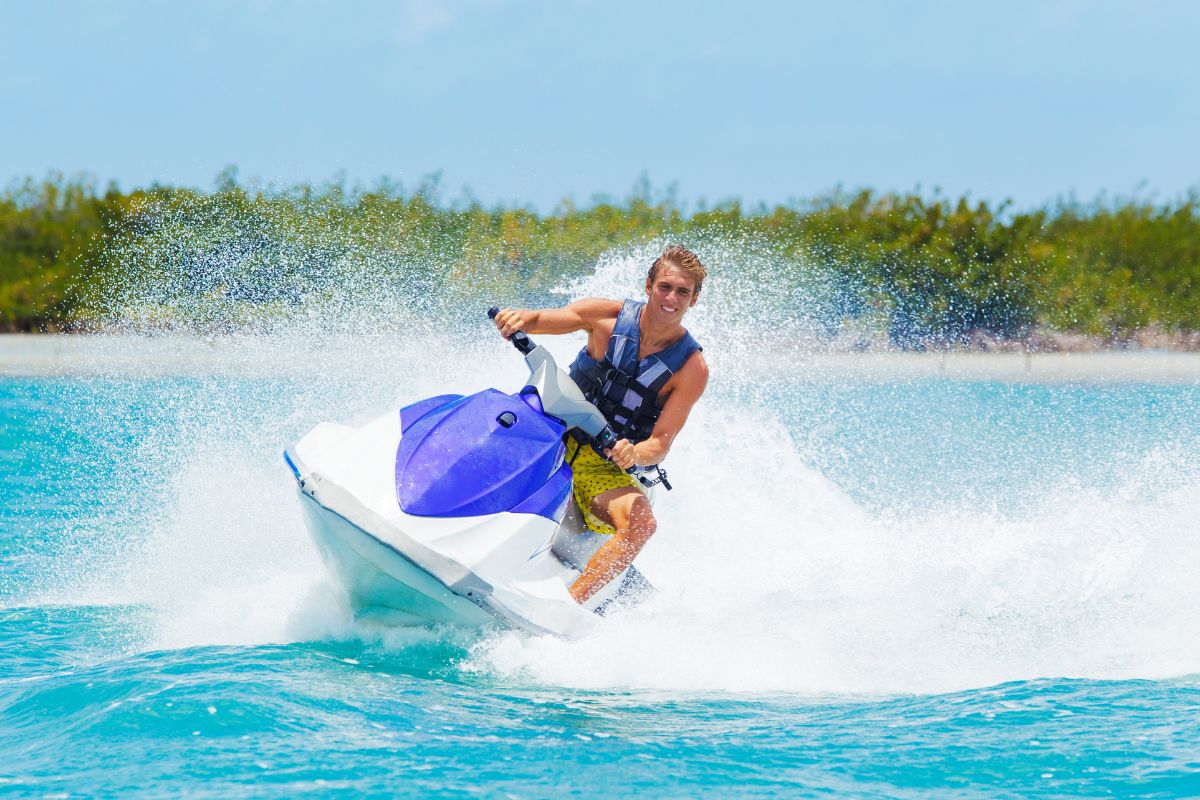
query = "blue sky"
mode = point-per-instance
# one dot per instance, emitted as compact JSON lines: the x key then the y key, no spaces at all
{"x":535,"y":101}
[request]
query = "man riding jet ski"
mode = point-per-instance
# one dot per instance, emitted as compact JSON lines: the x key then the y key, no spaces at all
{"x":457,"y":509}
{"x":644,"y":372}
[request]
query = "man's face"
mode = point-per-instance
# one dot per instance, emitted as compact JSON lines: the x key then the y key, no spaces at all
{"x":670,"y":294}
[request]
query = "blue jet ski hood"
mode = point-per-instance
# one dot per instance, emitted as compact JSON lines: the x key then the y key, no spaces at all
{"x":482,"y":454}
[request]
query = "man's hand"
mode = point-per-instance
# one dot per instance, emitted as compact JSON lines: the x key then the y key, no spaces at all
{"x":510,"y":320}
{"x":623,"y":454}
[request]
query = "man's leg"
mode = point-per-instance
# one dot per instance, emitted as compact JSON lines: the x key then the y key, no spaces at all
{"x":627,"y":510}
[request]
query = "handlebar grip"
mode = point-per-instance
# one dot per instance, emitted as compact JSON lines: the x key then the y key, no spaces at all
{"x":519,"y":339}
{"x":522,"y":342}
{"x":606,"y":437}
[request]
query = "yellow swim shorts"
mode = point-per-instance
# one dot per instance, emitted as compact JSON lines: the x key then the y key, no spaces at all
{"x":594,"y":475}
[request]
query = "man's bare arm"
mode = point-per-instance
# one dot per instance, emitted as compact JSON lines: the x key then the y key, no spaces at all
{"x":582,"y":315}
{"x":693,"y":378}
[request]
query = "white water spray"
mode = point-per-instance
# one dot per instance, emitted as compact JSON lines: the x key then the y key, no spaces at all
{"x":771,"y":578}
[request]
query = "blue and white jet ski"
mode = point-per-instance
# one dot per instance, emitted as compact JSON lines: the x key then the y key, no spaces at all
{"x":458,"y":509}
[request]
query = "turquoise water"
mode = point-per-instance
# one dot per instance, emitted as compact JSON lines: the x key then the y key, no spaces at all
{"x":885,"y":588}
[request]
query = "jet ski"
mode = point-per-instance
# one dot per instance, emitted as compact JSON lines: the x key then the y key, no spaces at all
{"x":458,"y":509}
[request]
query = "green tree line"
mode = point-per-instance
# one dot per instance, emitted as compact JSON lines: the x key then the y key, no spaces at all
{"x":938,"y":271}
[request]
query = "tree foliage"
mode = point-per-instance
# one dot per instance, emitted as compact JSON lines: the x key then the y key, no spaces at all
{"x":938,"y":270}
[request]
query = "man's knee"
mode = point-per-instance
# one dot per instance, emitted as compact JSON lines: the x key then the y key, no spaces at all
{"x":642,"y":523}
{"x":631,"y":513}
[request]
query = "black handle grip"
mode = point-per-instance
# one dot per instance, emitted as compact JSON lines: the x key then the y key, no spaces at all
{"x":519,"y":339}
{"x":606,"y":438}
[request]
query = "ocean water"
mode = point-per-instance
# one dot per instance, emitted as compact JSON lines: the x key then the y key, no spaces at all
{"x":882,"y":588}
{"x":870,"y":585}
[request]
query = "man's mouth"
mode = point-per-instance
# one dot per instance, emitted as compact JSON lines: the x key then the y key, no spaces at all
{"x":668,"y":309}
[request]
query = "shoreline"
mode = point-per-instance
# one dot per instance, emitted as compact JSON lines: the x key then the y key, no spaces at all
{"x":106,"y":355}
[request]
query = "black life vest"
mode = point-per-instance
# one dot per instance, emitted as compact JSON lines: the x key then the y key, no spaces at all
{"x":623,"y":388}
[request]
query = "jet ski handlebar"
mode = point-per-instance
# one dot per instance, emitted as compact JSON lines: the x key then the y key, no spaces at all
{"x":605,"y":437}
{"x":519,"y":339}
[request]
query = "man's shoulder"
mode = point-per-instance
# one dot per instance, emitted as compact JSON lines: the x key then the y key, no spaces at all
{"x":694,"y":371}
{"x":696,"y":364}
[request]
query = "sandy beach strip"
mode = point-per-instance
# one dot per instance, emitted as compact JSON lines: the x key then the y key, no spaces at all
{"x":48,"y":355}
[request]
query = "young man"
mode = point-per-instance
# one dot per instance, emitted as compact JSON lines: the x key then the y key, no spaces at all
{"x":644,"y":372}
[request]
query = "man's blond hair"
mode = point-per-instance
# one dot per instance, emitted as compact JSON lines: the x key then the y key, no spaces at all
{"x":681,"y":258}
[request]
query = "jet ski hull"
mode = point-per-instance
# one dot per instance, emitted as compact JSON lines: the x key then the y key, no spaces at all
{"x":379,"y":584}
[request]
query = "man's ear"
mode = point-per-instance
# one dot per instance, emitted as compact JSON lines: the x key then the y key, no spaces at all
{"x":695,"y":297}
